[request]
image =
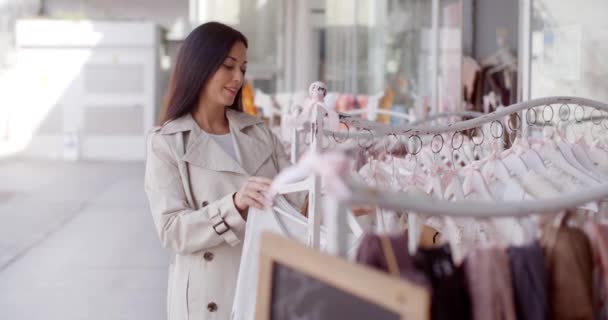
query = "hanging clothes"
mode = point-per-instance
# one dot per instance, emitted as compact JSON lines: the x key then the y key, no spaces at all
{"x":259,"y":221}
{"x":470,"y":71}
{"x":289,"y":223}
{"x":450,"y":295}
{"x":502,"y":83}
{"x":598,"y":236}
{"x":570,"y":264}
{"x":490,"y":284}
{"x":529,"y":277}
{"x":371,"y":253}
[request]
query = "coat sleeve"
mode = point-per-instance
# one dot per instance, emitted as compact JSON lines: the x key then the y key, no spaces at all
{"x":298,"y":200}
{"x":180,"y":227}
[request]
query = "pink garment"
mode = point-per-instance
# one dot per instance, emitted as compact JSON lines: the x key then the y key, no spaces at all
{"x":490,"y":284}
{"x":470,"y":68}
{"x":598,"y":237}
{"x":331,"y":166}
{"x":346,"y":102}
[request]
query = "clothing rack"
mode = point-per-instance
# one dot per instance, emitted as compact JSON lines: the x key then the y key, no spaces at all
{"x":498,"y":115}
{"x":373,"y":114}
{"x":369,"y":127}
{"x":335,"y":206}
{"x":393,"y":200}
{"x":433,"y":117}
{"x":363,"y":124}
{"x":373,"y":111}
{"x":312,"y":184}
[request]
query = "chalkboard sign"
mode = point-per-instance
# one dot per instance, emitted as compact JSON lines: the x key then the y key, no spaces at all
{"x":297,"y":282}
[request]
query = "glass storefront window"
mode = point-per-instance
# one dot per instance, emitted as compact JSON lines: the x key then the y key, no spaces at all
{"x":259,"y":21}
{"x":450,"y":56}
{"x":357,"y":47}
{"x":375,"y":47}
{"x":569,"y":49}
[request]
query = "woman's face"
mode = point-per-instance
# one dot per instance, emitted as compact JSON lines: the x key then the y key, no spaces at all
{"x":223,"y":86}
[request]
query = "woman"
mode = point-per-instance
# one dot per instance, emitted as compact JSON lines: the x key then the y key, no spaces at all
{"x":206,"y":166}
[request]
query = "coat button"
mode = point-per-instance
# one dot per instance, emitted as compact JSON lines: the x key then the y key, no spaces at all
{"x":212,"y":307}
{"x":205,"y":203}
{"x":208,"y":256}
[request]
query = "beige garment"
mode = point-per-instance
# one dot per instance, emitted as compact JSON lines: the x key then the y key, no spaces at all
{"x":569,"y":260}
{"x":190,"y":193}
{"x":490,"y":284}
{"x":598,"y":237}
{"x":470,"y":69}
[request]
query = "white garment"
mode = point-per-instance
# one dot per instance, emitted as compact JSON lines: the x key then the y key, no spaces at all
{"x":288,"y":223}
{"x":226,"y":142}
{"x":259,"y":221}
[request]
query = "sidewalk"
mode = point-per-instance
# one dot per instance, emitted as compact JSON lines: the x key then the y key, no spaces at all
{"x":77,"y":242}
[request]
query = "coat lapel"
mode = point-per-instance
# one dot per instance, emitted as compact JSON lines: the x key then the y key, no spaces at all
{"x":254,"y":152}
{"x":204,"y":152}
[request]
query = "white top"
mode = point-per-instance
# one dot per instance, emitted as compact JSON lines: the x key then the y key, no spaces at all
{"x":226,"y":141}
{"x":289,"y":223}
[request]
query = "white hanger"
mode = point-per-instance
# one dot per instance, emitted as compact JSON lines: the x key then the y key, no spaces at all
{"x":529,"y":156}
{"x":504,"y":230}
{"x":566,"y":150}
{"x":582,"y":156}
{"x":598,"y":156}
{"x":514,"y":162}
{"x":551,"y":153}
{"x":494,"y":167}
{"x":474,"y":183}
{"x":582,"y":152}
{"x":453,"y":190}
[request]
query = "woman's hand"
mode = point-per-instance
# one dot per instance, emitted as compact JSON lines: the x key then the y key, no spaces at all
{"x":251,"y":195}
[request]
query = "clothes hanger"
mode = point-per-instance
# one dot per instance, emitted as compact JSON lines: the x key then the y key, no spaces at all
{"x":566,"y":150}
{"x":530,"y":157}
{"x":552,"y":155}
{"x":284,"y":209}
{"x":412,"y":177}
{"x":443,"y":171}
{"x":504,"y":230}
{"x":453,"y":191}
{"x":587,"y":155}
{"x":434,"y":185}
{"x":413,"y":183}
{"x":581,"y":154}
{"x":377,"y":177}
{"x":453,"y":183}
{"x":517,"y":166}
{"x":596,"y":149}
{"x":459,"y":243}
{"x":388,"y":220}
{"x":512,"y":159}
{"x":494,"y":169}
{"x":551,"y":177}
{"x":474,"y":182}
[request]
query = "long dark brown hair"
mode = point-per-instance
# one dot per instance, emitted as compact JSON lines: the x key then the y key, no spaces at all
{"x":199,"y":57}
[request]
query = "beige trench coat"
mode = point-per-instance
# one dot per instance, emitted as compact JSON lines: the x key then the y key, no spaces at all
{"x":201,"y":225}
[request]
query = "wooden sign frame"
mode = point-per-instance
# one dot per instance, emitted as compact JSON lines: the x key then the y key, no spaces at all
{"x":409,"y":301}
